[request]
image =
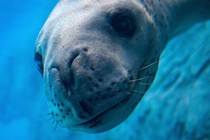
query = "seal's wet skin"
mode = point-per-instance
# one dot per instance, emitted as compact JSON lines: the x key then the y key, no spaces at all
{"x":98,"y":58}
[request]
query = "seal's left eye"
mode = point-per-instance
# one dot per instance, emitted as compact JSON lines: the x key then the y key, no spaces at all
{"x":123,"y":22}
{"x":38,"y":60}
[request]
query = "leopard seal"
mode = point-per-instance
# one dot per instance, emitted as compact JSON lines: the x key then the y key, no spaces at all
{"x":99,"y":57}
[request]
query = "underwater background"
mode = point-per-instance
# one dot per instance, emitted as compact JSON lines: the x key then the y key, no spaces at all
{"x":176,"y":107}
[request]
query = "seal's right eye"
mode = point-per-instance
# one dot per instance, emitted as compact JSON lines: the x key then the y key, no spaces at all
{"x":38,"y":60}
{"x":123,"y":21}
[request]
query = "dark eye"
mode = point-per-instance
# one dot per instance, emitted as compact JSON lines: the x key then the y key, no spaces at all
{"x":123,"y":22}
{"x":38,"y":60}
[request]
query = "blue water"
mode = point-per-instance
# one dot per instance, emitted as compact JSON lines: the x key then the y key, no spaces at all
{"x":23,"y":110}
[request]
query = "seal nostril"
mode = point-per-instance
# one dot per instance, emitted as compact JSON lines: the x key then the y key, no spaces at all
{"x":72,"y":57}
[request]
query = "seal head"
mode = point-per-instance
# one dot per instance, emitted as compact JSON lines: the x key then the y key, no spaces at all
{"x":97,"y":60}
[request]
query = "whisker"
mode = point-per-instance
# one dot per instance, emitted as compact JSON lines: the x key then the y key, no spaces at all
{"x":50,"y":118}
{"x":43,"y":117}
{"x":56,"y":126}
{"x":136,"y":80}
{"x":138,"y":91}
{"x":121,"y":104}
{"x":53,"y":121}
{"x":49,"y":114}
{"x":133,"y":94}
{"x":149,"y":65}
{"x":144,"y":83}
{"x":129,"y":93}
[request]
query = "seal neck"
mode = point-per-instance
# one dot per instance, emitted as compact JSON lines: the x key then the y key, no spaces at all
{"x":172,"y":17}
{"x":185,"y":13}
{"x":159,"y":13}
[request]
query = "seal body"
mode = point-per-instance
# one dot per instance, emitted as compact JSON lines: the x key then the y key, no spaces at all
{"x":98,"y":58}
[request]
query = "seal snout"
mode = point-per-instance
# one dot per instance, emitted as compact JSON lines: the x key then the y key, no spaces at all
{"x":96,"y":84}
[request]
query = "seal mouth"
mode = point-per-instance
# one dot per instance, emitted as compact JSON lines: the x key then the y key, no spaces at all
{"x":98,"y":119}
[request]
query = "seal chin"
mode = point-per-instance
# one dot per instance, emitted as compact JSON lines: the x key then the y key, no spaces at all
{"x":98,"y":123}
